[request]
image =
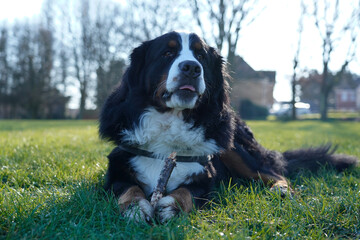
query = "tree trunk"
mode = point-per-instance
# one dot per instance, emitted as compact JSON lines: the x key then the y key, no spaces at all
{"x":230,"y":60}
{"x":83,"y":97}
{"x":324,"y":91}
{"x":293,"y":101}
{"x":324,"y":105}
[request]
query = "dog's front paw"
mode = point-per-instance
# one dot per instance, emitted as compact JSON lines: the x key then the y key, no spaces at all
{"x":166,"y":209}
{"x":140,"y":211}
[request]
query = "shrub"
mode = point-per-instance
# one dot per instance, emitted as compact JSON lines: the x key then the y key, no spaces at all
{"x":249,"y":110}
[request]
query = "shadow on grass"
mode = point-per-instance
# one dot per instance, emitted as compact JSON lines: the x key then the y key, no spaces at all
{"x":21,"y":125}
{"x":85,"y":212}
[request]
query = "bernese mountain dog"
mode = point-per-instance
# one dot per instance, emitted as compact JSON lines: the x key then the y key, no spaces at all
{"x":174,"y":97}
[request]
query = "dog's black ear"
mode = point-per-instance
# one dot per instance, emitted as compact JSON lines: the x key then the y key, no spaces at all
{"x":220,"y":86}
{"x":137,"y":64}
{"x":214,"y":108}
{"x":119,"y":110}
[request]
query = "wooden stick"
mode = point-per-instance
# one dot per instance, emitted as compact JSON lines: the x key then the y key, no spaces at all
{"x":165,"y":174}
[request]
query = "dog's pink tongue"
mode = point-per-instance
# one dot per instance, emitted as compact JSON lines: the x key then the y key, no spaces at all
{"x":187,"y":87}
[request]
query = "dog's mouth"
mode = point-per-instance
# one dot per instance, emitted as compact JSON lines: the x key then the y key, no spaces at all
{"x":187,"y":88}
{"x":187,"y":93}
{"x":184,"y":96}
{"x":184,"y":91}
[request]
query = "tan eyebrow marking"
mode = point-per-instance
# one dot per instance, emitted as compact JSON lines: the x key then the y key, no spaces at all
{"x":197,"y":45}
{"x":172,"y":43}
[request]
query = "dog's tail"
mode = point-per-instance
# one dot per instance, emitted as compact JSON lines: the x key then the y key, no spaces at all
{"x":313,"y":158}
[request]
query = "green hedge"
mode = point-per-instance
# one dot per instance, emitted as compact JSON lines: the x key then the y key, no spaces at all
{"x":249,"y":110}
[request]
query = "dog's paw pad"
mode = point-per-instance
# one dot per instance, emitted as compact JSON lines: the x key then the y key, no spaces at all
{"x":166,"y":209}
{"x":139,"y":212}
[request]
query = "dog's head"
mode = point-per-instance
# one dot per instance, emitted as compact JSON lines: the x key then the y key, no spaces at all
{"x":175,"y":70}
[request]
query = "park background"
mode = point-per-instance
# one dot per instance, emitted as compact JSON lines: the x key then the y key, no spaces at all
{"x":60,"y":59}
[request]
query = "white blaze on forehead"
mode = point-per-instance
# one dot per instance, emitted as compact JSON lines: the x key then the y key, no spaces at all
{"x":185,"y":54}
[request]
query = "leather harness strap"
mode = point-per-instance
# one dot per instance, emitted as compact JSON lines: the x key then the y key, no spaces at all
{"x":136,"y":151}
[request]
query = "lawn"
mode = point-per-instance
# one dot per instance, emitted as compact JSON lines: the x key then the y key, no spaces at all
{"x":52,"y":171}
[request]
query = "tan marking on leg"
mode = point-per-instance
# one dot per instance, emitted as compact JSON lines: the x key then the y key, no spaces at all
{"x":237,"y":166}
{"x":281,"y":183}
{"x":183,"y":198}
{"x":283,"y":187}
{"x":132,"y":195}
{"x":271,"y":179}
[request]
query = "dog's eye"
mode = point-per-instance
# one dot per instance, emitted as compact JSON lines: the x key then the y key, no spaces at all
{"x":169,"y":54}
{"x":200,"y":56}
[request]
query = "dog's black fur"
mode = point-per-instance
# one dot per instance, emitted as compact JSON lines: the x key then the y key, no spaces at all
{"x":240,"y":155}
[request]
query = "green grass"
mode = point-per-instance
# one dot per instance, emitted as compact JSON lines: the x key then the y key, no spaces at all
{"x":51,"y":175}
{"x":334,"y":115}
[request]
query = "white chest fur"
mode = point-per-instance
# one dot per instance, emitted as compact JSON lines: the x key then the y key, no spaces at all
{"x":148,"y":172}
{"x":162,"y":134}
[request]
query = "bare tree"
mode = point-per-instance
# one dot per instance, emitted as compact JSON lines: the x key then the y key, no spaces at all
{"x":32,"y":68}
{"x":109,"y":64}
{"x":46,"y":42}
{"x":296,"y":60}
{"x":63,"y":54}
{"x":81,"y":29}
{"x":27,"y":84}
{"x":333,"y":31}
{"x":226,"y":19}
{"x":107,"y":79}
{"x":4,"y":71}
{"x":146,"y":20}
{"x":310,"y":82}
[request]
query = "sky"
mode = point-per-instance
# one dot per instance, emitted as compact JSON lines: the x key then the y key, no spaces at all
{"x":11,"y":9}
{"x":269,"y":43}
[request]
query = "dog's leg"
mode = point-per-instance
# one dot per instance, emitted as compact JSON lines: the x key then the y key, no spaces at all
{"x":185,"y":196}
{"x":180,"y":200}
{"x":134,"y":205}
{"x":283,"y":187}
{"x":240,"y":168}
{"x":122,"y":184}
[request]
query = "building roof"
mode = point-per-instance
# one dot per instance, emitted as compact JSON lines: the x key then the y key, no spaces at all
{"x":243,"y":71}
{"x":349,"y":81}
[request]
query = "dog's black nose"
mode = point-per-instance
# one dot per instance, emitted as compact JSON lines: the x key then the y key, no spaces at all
{"x":190,"y":69}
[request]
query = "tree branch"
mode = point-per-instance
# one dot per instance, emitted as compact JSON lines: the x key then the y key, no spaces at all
{"x":165,"y":174}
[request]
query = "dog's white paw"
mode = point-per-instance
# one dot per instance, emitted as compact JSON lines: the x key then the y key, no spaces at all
{"x":141,"y":211}
{"x":166,"y":209}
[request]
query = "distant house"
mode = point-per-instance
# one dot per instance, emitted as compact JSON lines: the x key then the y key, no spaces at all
{"x":358,"y":97}
{"x":345,"y":96}
{"x":345,"y":99}
{"x":256,"y":86}
{"x":347,"y":93}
